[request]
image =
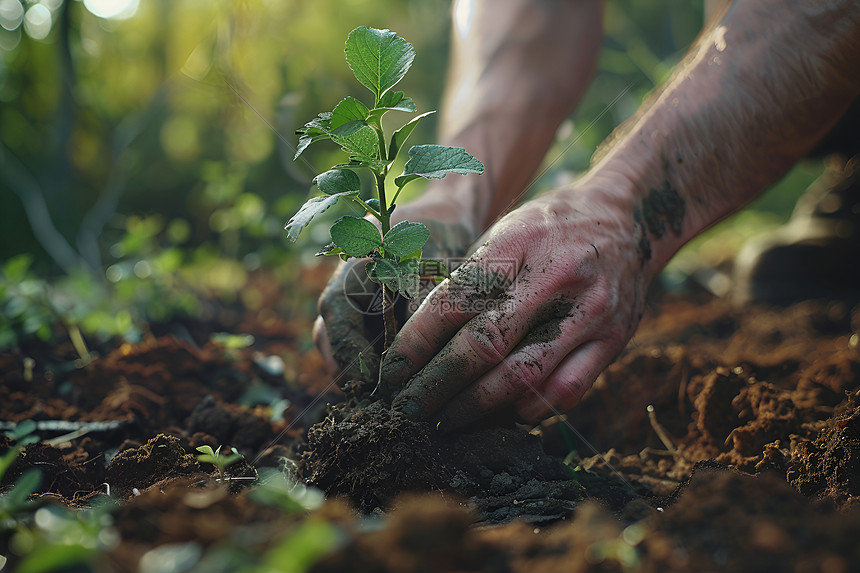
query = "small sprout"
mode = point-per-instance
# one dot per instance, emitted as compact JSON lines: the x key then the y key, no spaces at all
{"x":232,"y":341}
{"x":379,"y":59}
{"x":220,"y":461}
{"x":365,"y":371}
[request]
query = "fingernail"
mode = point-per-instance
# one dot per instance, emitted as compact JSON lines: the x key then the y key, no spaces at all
{"x":395,"y":368}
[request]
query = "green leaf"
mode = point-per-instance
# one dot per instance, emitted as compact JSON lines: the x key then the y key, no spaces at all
{"x":348,"y":129}
{"x":409,"y":266}
{"x":330,"y":249}
{"x":409,"y":284}
{"x":436,"y":161}
{"x":349,"y":109}
{"x":27,"y":483}
{"x":315,"y":130}
{"x":378,"y":58}
{"x":362,"y":365}
{"x":319,"y":125}
{"x":374,"y":203}
{"x":363,"y":144}
{"x":435,"y":269}
{"x":416,"y":255}
{"x":22,"y":429}
{"x":305,"y":141}
{"x":313,"y":207}
{"x":404,"y":238}
{"x":384,"y":271}
{"x":356,"y":236}
{"x":401,"y":135}
{"x":58,"y":557}
{"x":395,"y":101}
{"x":336,"y":181}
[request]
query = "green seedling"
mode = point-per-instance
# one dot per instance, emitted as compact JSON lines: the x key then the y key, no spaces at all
{"x":379,"y":59}
{"x":217,"y":459}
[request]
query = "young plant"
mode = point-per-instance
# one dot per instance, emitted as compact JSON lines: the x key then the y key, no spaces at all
{"x":379,"y":59}
{"x":217,"y":459}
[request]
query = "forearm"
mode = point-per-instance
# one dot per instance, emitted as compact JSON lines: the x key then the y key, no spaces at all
{"x":518,"y":68}
{"x":754,"y":95}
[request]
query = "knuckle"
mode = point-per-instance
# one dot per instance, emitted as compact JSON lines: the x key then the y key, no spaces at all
{"x":486,"y":341}
{"x":601,"y":301}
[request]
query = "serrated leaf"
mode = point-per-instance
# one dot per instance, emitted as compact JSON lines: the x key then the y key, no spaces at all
{"x":328,"y":250}
{"x":312,"y":207}
{"x":397,"y":101}
{"x":391,"y":101}
{"x":436,"y":161}
{"x":305,"y":141}
{"x":363,"y":144}
{"x":404,"y":238}
{"x":378,"y":58}
{"x":318,"y":125}
{"x":383,"y":271}
{"x":336,"y":181}
{"x":347,"y":110}
{"x":401,"y":135}
{"x":315,"y":130}
{"x":348,"y":129}
{"x":356,"y":236}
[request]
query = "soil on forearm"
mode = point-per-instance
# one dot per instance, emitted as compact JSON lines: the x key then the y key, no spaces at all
{"x":758,"y":467}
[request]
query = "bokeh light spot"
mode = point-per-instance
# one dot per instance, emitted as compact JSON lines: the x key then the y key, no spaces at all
{"x":38,"y":21}
{"x":11,"y":14}
{"x":113,"y":9}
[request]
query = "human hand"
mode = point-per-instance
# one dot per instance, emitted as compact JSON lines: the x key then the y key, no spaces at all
{"x":350,"y":314}
{"x":529,"y":320}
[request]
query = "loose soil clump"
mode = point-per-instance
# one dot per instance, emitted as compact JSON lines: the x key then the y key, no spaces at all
{"x":747,"y":459}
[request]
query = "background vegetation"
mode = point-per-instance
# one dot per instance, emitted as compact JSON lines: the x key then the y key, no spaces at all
{"x":146,"y":145}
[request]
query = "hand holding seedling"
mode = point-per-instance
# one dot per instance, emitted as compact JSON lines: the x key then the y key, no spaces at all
{"x":557,"y":288}
{"x":350,"y":319}
{"x":538,"y":311}
{"x":379,"y":59}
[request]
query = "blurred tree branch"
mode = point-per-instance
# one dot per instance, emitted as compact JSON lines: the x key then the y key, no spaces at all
{"x":17,"y":178}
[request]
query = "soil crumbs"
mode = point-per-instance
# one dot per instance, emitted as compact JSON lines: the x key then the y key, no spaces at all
{"x":721,"y":439}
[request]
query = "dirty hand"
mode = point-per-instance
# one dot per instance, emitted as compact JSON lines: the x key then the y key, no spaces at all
{"x":350,"y":317}
{"x":529,"y":320}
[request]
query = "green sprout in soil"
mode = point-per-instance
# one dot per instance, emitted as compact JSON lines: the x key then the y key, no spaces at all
{"x":379,"y":59}
{"x":217,"y":459}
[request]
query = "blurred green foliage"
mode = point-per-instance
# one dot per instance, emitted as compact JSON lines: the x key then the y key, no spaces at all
{"x":146,"y":146}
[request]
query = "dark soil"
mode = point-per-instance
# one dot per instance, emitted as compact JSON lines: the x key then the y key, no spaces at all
{"x":758,"y":467}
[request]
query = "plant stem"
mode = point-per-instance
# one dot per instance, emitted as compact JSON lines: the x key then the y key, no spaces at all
{"x":385,"y":219}
{"x":385,"y":222}
{"x":389,"y":328}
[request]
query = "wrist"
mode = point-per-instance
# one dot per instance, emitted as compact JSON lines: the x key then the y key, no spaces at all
{"x":654,"y":221}
{"x":454,"y":199}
